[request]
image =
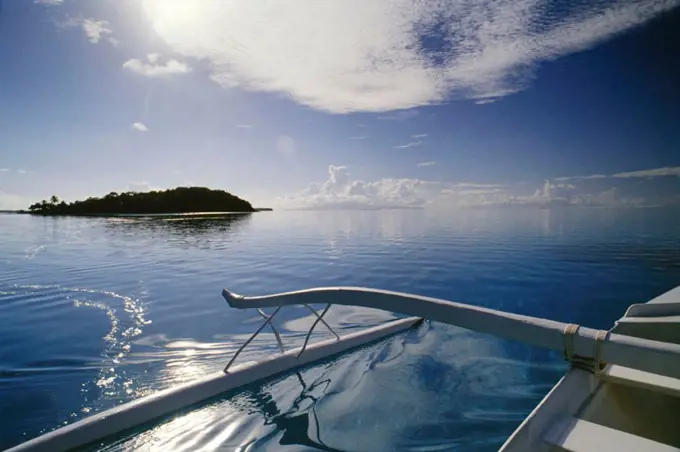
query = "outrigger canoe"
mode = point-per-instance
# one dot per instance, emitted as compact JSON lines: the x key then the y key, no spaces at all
{"x":621,"y":392}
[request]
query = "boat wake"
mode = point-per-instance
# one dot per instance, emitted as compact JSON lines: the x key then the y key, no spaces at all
{"x":73,"y":350}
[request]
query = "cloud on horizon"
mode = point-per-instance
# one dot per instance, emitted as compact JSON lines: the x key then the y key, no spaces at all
{"x":341,"y":191}
{"x":374,"y":54}
{"x":426,"y":164}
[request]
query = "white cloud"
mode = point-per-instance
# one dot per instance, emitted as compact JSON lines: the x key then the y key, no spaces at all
{"x":426,"y":164}
{"x":340,"y":191}
{"x":485,"y":101}
{"x":245,"y":126}
{"x":140,"y":127}
{"x":655,"y":172}
{"x":285,"y":145}
{"x":95,"y":29}
{"x":421,"y":135}
{"x":50,"y":2}
{"x":4,"y":170}
{"x":22,"y":171}
{"x":151,"y":69}
{"x":409,"y":145}
{"x":362,"y":55}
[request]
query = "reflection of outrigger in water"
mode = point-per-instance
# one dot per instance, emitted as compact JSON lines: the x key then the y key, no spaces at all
{"x":622,"y":392}
{"x":298,"y":427}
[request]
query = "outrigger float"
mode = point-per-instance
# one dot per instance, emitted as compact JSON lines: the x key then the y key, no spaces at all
{"x":621,"y":392}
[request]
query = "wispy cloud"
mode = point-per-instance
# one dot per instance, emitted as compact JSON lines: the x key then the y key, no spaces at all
{"x":426,"y":164}
{"x":655,"y":172}
{"x":152,"y":69}
{"x":22,"y":171}
{"x":140,"y":127}
{"x":4,"y":170}
{"x":591,"y":176}
{"x":359,"y":137}
{"x":114,"y":42}
{"x":244,"y":126}
{"x":49,"y":2}
{"x":375,"y":59}
{"x":409,"y":145}
{"x":399,"y":115}
{"x":420,"y":135}
{"x":94,"y":29}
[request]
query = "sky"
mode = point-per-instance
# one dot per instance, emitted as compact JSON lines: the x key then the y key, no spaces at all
{"x":343,"y":104}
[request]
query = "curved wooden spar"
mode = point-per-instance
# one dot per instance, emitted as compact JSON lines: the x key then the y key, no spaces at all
{"x":652,"y":356}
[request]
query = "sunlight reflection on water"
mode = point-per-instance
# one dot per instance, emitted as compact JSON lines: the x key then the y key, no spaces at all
{"x":105,"y":311}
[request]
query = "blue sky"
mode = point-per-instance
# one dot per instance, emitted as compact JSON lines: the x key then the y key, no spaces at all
{"x":342,"y":104}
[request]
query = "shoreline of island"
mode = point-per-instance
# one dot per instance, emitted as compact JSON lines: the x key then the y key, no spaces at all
{"x":181,"y":201}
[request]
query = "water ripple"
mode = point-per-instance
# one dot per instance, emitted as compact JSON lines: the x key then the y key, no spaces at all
{"x":81,"y":294}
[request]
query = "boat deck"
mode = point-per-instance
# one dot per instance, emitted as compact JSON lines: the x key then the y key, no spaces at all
{"x":617,"y":408}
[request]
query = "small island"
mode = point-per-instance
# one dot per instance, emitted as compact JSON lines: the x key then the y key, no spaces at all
{"x":173,"y":201}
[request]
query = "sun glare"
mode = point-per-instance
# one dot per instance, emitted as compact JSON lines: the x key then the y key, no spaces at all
{"x":171,"y":17}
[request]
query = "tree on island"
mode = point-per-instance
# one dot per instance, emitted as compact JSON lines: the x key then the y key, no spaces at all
{"x":176,"y":200}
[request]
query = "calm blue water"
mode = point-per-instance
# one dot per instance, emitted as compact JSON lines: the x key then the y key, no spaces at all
{"x":96,"y":312}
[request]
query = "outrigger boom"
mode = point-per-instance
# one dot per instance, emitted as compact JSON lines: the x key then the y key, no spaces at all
{"x":585,"y":348}
{"x":581,"y":345}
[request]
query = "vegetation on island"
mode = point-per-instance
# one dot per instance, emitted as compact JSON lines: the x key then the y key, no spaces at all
{"x":176,"y":200}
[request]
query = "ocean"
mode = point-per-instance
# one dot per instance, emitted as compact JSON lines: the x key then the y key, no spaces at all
{"x":95,"y":312}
